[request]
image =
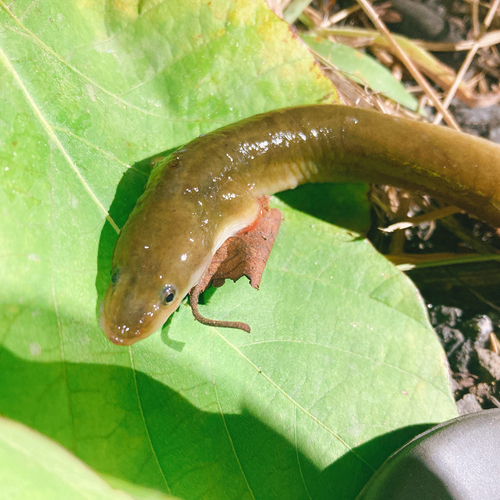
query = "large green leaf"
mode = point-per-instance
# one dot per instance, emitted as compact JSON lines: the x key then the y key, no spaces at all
{"x":341,"y":366}
{"x":32,"y":466}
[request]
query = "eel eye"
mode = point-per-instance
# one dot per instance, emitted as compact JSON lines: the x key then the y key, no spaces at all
{"x":115,"y":275}
{"x":168,"y":294}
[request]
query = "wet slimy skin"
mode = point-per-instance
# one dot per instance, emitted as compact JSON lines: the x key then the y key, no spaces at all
{"x":207,"y":191}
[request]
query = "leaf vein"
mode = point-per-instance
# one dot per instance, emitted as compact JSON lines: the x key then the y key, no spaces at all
{"x":228,"y":433}
{"x":97,"y":148}
{"x":295,"y":403}
{"x":346,"y":351}
{"x":297,"y":452}
{"x":331,"y":283}
{"x":52,"y":135}
{"x":144,"y":420}
{"x":45,"y":47}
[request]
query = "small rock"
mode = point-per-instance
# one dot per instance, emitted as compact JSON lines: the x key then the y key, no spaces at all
{"x":462,"y":381}
{"x":468,"y":404}
{"x":461,"y":359}
{"x":484,"y":327}
{"x":444,"y":315}
{"x":451,"y":339}
{"x":482,"y":391}
{"x":489,"y":361}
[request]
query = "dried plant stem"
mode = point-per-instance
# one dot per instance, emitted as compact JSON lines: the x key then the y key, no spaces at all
{"x":484,"y":41}
{"x":465,"y":65}
{"x":339,"y":16}
{"x":437,"y":214}
{"x":381,"y":27}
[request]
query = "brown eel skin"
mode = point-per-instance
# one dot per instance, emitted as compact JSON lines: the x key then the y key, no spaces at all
{"x":207,"y":191}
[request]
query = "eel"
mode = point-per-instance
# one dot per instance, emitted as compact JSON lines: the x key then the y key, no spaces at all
{"x":208,"y":190}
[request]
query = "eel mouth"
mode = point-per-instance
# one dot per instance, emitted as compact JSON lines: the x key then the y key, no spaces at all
{"x":123,"y":335}
{"x":124,"y":340}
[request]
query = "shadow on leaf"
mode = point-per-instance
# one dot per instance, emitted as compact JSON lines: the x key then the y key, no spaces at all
{"x":125,"y":424}
{"x":341,"y":204}
{"x":344,"y":205}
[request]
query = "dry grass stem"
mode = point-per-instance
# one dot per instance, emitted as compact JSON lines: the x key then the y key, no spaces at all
{"x":465,"y":65}
{"x":440,"y":213}
{"x":339,"y":16}
{"x":381,"y":27}
{"x":485,"y":41}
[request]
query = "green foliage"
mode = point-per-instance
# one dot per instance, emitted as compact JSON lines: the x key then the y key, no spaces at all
{"x":362,"y":69}
{"x":341,"y":366}
{"x":31,"y":466}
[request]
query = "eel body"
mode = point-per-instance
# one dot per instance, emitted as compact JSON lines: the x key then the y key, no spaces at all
{"x":207,"y":191}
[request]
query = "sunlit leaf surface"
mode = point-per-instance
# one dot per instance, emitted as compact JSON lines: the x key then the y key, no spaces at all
{"x":341,"y":366}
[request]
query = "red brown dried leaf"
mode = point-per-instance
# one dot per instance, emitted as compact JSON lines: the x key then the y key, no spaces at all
{"x":245,"y":254}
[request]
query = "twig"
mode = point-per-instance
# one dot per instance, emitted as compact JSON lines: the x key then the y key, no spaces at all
{"x":484,"y":41}
{"x":381,"y":27}
{"x":339,"y":16}
{"x":439,"y":213}
{"x":465,"y":65}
